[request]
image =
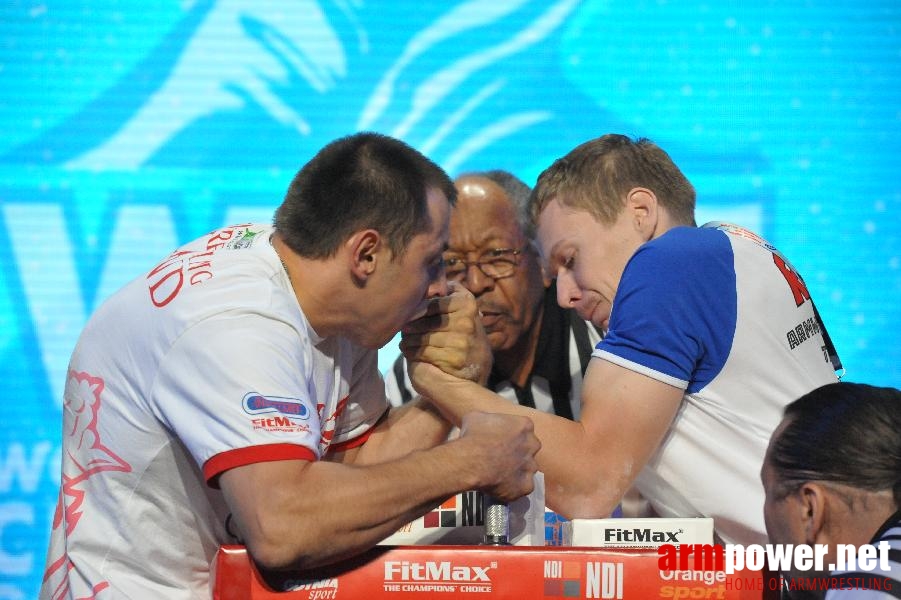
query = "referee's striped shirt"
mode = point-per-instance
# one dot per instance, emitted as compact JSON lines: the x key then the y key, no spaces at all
{"x":878,"y":584}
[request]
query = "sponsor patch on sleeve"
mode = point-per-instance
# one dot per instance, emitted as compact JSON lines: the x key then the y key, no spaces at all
{"x":277,"y":414}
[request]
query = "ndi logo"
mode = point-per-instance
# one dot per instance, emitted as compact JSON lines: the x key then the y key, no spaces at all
{"x":604,"y":580}
{"x":562,"y":579}
{"x":445,"y":515}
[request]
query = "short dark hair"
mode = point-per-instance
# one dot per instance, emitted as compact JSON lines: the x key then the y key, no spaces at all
{"x":847,"y":433}
{"x":365,"y":180}
{"x":596,"y":176}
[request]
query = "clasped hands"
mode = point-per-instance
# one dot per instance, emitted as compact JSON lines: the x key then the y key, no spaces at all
{"x":447,"y":351}
{"x":448,"y":344}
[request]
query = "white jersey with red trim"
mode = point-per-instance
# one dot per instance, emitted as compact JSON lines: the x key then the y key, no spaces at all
{"x":203,"y":364}
{"x":719,"y":313}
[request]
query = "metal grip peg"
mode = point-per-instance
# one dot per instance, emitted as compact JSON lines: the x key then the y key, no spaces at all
{"x":497,"y":521}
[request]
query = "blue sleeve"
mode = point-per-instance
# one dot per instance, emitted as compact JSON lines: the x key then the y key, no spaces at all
{"x":675,"y":310}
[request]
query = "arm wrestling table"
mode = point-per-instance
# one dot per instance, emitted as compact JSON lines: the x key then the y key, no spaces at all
{"x":505,"y":572}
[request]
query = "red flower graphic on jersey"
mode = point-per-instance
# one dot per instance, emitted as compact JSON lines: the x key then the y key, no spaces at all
{"x":328,"y":424}
{"x":85,"y":456}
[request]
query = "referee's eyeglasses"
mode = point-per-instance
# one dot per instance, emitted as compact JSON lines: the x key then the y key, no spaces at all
{"x":496,"y":263}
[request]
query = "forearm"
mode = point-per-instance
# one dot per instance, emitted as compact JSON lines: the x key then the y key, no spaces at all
{"x":577,"y":480}
{"x":373,"y":502}
{"x":318,"y":513}
{"x":414,"y":426}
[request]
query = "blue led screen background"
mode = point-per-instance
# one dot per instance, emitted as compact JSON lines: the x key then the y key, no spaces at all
{"x":127,"y":128}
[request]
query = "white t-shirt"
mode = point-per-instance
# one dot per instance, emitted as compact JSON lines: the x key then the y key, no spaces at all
{"x":204,"y":364}
{"x":719,"y":313}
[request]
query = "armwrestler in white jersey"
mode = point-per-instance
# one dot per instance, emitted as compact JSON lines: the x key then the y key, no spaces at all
{"x":232,"y":394}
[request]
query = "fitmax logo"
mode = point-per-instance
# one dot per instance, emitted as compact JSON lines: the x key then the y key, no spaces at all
{"x":641,"y":535}
{"x":404,"y":570}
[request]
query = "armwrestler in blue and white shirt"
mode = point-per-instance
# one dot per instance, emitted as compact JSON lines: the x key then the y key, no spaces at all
{"x":710,"y":333}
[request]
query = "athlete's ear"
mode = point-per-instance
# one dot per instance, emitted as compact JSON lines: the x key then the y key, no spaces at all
{"x":363,"y":249}
{"x":643,"y":207}
{"x":813,"y":506}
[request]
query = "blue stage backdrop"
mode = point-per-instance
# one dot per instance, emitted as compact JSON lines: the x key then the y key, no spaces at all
{"x":130,"y":127}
